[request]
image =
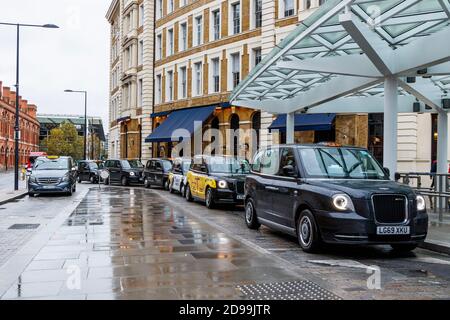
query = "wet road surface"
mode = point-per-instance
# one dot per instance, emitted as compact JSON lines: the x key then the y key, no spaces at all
{"x":132,"y":243}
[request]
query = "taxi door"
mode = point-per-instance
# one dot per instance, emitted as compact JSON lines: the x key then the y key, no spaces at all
{"x":201,"y":182}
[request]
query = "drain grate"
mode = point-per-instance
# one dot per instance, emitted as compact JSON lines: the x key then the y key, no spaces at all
{"x":292,"y":290}
{"x":24,"y":226}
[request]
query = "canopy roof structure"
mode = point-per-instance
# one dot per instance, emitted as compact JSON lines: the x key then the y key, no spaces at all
{"x":346,"y":49}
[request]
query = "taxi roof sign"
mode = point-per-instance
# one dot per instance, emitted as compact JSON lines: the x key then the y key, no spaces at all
{"x":52,"y":157}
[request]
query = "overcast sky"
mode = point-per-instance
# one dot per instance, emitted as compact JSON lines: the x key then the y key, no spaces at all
{"x":73,"y":57}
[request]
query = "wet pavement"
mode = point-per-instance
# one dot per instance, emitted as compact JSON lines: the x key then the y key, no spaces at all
{"x":133,"y":243}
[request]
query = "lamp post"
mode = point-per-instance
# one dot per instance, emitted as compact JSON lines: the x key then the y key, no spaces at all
{"x":85,"y":118}
{"x":17,"y":127}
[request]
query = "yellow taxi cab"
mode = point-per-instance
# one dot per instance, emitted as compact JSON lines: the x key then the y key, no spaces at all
{"x":217,"y":180}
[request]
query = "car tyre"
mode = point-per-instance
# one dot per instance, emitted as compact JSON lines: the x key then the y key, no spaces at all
{"x":124,"y":181}
{"x":92,"y":179}
{"x":209,"y":201}
{"x":251,"y":219}
{"x":307,"y":232}
{"x":166,"y":185}
{"x":188,"y":194}
{"x":146,"y":183}
{"x":79,"y":179}
{"x":31,"y":194}
{"x":106,"y":181}
{"x":401,"y":247}
{"x":171,"y":189}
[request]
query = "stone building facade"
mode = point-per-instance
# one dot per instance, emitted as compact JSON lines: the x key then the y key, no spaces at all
{"x":29,"y":128}
{"x":194,"y":54}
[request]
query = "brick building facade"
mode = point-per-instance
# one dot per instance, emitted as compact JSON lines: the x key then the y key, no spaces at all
{"x":29,"y":128}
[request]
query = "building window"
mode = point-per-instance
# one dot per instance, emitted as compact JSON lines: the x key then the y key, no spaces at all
{"x":169,"y":6}
{"x":236,"y":16}
{"x":170,"y":42}
{"x":258,"y":13}
{"x":141,"y":52}
{"x":129,"y":57}
{"x":288,"y":8}
{"x":141,"y":92}
{"x":216,"y":24}
{"x":198,"y":30}
{"x":159,"y":9}
{"x":183,"y":36}
{"x":198,"y":78}
{"x":183,"y":82}
{"x":158,"y":89}
{"x":257,"y":56}
{"x":183,"y":3}
{"x":141,"y":15}
{"x":215,"y":75}
{"x":235,"y":69}
{"x":158,"y":47}
{"x":169,"y":85}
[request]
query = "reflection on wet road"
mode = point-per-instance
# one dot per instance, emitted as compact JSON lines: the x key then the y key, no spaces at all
{"x":131,"y":244}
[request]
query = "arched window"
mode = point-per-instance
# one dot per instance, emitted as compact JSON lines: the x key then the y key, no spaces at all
{"x":234,"y":125}
{"x":256,"y":126}
{"x":214,"y":126}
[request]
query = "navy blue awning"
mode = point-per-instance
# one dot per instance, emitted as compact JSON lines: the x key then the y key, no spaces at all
{"x":180,"y":119}
{"x":306,"y":122}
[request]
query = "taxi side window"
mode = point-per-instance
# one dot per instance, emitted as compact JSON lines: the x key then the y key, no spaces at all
{"x":287,"y":159}
{"x":256,"y":166}
{"x":270,"y":162}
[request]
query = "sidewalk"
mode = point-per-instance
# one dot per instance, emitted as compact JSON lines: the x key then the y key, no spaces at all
{"x":438,"y":238}
{"x":7,"y":192}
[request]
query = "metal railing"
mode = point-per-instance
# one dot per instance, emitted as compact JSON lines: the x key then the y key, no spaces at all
{"x":435,"y":188}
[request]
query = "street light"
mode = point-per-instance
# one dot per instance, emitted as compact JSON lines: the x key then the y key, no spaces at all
{"x":85,"y":118}
{"x":17,"y":127}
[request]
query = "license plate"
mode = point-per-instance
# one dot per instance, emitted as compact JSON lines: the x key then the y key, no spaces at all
{"x":240,"y":196}
{"x":393,"y":230}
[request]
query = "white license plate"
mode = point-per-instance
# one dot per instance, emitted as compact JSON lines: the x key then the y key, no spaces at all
{"x":393,"y":230}
{"x":240,"y":196}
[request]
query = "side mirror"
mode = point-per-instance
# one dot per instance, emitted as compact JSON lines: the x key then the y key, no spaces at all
{"x":203,"y":168}
{"x":289,"y":171}
{"x":397,"y":176}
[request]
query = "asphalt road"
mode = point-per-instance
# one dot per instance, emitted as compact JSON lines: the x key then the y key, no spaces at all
{"x":150,"y":244}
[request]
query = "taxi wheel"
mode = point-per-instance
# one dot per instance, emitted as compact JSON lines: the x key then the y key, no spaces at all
{"x":74,"y":188}
{"x":92,"y":179}
{"x":210,"y":199}
{"x":124,"y":181}
{"x":400,"y":247}
{"x":79,"y":179}
{"x":251,"y":219}
{"x":106,"y":181}
{"x":182,"y":190}
{"x":166,"y":185}
{"x":308,"y":232}
{"x":146,"y":183}
{"x":188,"y":194}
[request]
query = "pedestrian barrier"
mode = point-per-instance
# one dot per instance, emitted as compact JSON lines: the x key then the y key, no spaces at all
{"x":435,"y":187}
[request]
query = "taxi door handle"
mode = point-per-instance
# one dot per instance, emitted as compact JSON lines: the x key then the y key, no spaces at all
{"x":272,"y":188}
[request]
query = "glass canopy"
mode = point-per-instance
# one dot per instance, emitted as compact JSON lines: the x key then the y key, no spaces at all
{"x":347,"y":48}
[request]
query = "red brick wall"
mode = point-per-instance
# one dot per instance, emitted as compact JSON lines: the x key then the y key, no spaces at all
{"x":29,"y":127}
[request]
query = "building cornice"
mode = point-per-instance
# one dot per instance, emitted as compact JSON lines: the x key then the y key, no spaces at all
{"x":114,"y":6}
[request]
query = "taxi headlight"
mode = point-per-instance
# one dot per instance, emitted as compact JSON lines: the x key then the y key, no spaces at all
{"x":342,"y":202}
{"x":33,"y":179}
{"x":132,"y":174}
{"x":222,"y":184}
{"x":421,"y":204}
{"x":66,"y":178}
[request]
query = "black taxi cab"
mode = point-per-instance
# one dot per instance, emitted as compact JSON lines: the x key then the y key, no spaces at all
{"x":178,"y":175}
{"x":217,"y":180}
{"x":331,"y":194}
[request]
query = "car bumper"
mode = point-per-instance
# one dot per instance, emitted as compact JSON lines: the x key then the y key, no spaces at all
{"x":135,"y":179}
{"x":227,"y":196}
{"x":59,"y":188}
{"x":351,"y":228}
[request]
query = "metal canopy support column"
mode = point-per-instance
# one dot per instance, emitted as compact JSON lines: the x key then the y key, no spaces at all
{"x":390,"y":124}
{"x":290,"y":127}
{"x":442,"y":157}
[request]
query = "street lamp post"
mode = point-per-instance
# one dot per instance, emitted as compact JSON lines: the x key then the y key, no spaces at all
{"x":85,"y":119}
{"x":16,"y":126}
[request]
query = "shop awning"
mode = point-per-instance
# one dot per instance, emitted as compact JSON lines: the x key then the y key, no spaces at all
{"x":306,"y":122}
{"x":181,"y":119}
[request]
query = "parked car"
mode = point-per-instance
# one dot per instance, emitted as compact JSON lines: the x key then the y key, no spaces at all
{"x":332,"y":194}
{"x":125,"y":172}
{"x":178,"y":175}
{"x":217,"y":180}
{"x":88,"y":170}
{"x":156,"y":173}
{"x":53,"y":174}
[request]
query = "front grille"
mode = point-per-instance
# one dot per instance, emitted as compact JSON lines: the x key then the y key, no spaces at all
{"x":48,"y":180}
{"x":390,"y":208}
{"x":240,"y":187}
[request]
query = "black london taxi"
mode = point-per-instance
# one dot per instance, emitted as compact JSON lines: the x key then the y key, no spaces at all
{"x":124,"y":172}
{"x":88,"y":170}
{"x":178,"y":175}
{"x":331,"y":194}
{"x":217,"y":180}
{"x":156,"y":173}
{"x":53,"y":174}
